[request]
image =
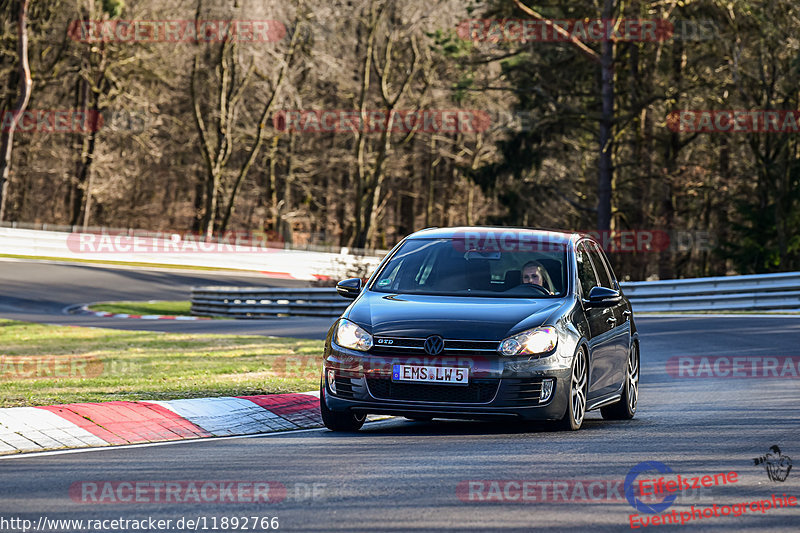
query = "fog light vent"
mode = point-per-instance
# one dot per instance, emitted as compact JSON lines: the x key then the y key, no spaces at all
{"x":547,"y":390}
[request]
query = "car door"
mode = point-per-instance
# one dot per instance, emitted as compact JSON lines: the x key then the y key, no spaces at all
{"x":601,"y":344}
{"x":620,"y":319}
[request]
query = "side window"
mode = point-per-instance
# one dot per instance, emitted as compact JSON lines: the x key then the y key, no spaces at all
{"x":586,"y":274}
{"x":600,"y":265}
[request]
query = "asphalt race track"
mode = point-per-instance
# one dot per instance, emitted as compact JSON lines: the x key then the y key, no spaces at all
{"x":39,"y":292}
{"x":399,"y":475}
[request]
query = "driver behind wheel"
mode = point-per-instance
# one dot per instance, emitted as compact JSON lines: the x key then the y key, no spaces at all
{"x":533,"y":273}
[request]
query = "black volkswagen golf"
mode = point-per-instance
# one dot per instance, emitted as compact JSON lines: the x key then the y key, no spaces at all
{"x":483,"y":323}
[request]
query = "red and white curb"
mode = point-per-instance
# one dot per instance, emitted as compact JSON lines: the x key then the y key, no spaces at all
{"x":81,"y":425}
{"x":289,"y":275}
{"x":84,"y":310}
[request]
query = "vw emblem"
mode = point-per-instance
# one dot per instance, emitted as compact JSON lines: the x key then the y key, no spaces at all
{"x":434,"y":345}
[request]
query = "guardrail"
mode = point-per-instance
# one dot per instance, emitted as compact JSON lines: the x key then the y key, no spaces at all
{"x":760,"y":292}
{"x":255,"y":302}
{"x":757,"y":293}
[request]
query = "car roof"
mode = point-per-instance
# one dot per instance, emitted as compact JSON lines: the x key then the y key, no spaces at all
{"x":496,"y":231}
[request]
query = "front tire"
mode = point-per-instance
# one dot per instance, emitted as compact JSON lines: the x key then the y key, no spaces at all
{"x":335,"y":420}
{"x":625,"y":408}
{"x":576,"y":401}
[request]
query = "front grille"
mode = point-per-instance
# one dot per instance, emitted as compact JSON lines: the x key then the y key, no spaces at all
{"x":523,"y":391}
{"x":398,"y":345}
{"x":479,"y":391}
{"x":415,"y":346}
{"x":457,"y":347}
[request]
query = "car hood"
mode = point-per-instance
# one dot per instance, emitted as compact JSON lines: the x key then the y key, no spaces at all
{"x":452,"y":317}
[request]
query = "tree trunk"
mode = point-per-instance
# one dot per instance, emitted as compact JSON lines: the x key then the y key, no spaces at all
{"x":26,"y":84}
{"x":272,"y":193}
{"x":87,"y":169}
{"x":359,"y":232}
{"x":262,"y":125}
{"x":606,"y":169}
{"x":79,"y":141}
{"x":430,"y":183}
{"x":285,"y":223}
{"x":666,"y":267}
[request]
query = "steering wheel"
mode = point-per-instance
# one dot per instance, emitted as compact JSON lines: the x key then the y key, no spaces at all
{"x":539,"y":287}
{"x":520,"y":289}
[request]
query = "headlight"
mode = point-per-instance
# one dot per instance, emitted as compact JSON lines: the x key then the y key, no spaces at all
{"x":531,"y":342}
{"x":351,"y":335}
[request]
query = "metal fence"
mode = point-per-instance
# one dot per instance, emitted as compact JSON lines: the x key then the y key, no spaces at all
{"x":761,"y":292}
{"x":767,"y":292}
{"x":255,"y":302}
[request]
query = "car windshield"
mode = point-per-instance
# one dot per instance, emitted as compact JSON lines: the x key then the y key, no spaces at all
{"x":447,"y":267}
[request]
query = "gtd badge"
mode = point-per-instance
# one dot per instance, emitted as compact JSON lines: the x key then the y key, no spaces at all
{"x":385,"y":341}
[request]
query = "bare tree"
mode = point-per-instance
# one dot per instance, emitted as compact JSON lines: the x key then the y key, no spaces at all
{"x":217,"y":125}
{"x":26,"y":85}
{"x":370,"y":177}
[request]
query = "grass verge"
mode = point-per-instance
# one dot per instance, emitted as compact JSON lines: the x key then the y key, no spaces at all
{"x":42,"y":364}
{"x":145,"y":308}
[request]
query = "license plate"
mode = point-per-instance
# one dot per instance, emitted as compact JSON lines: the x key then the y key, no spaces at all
{"x":431,"y":374}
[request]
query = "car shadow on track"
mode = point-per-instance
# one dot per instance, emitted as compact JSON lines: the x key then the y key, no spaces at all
{"x":444,"y":427}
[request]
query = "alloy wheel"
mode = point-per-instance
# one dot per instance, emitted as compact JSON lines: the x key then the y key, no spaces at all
{"x":633,"y":378}
{"x":579,"y":381}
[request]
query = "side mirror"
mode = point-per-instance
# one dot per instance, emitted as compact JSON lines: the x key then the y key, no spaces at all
{"x":603,"y":297}
{"x":349,"y":288}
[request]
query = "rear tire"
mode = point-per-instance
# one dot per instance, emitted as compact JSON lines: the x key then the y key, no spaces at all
{"x":625,"y":408}
{"x":576,"y":397}
{"x":338,"y":421}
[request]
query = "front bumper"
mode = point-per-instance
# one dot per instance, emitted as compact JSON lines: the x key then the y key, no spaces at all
{"x":499,"y":388}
